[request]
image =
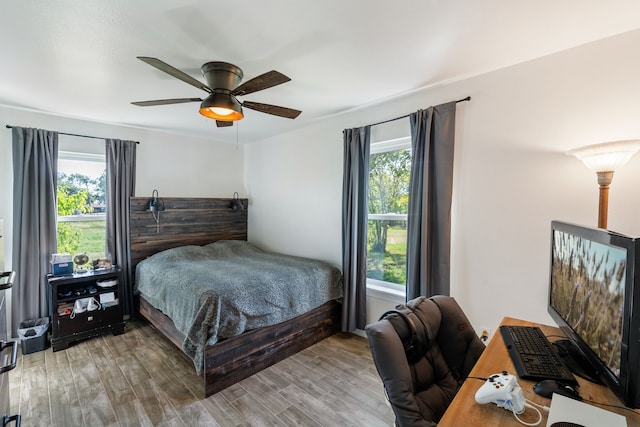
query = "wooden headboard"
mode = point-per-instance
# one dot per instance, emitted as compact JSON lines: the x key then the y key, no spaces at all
{"x":185,"y":221}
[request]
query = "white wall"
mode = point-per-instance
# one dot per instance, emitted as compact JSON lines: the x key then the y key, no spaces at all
{"x":294,"y":188}
{"x":176,"y":166}
{"x":511,"y":174}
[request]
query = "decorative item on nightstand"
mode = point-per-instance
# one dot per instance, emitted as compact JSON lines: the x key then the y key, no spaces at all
{"x":80,"y":260}
{"x":604,"y":159}
{"x":102,"y":263}
{"x":61,"y":264}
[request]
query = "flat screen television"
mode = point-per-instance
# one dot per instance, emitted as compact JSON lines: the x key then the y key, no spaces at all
{"x":592,"y":297}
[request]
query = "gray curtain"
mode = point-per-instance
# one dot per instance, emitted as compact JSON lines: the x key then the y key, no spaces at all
{"x":430,"y":191}
{"x":35,"y":170}
{"x":121,"y":183}
{"x":354,"y":227}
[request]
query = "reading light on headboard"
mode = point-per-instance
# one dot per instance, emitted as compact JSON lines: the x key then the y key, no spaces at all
{"x":155,"y":206}
{"x":236,"y":203}
{"x":604,"y":159}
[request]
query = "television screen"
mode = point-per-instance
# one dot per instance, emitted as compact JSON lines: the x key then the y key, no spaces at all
{"x":588,"y":284}
{"x":592,"y":295}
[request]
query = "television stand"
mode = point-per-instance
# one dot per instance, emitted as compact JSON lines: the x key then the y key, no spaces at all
{"x":575,"y":361}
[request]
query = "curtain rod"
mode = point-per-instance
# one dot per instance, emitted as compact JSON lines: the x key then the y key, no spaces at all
{"x":468,"y":98}
{"x":75,"y":134}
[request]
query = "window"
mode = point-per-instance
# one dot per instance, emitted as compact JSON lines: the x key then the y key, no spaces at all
{"x":389,"y":171}
{"x":81,"y":195}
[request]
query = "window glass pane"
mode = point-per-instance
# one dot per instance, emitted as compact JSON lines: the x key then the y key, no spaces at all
{"x":81,"y":204}
{"x":82,"y":234}
{"x":387,"y":251}
{"x":387,"y":227}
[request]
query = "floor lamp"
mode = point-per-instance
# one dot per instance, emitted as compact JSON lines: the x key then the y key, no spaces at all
{"x":604,"y":159}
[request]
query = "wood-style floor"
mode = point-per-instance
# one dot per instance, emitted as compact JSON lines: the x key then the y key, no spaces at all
{"x":140,"y":379}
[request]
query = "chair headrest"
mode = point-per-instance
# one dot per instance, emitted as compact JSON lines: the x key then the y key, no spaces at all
{"x":411,"y":331}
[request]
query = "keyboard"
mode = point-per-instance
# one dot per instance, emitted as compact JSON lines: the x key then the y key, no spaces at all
{"x":533,"y":355}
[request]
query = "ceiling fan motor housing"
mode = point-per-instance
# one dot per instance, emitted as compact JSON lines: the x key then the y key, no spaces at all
{"x":222,"y":75}
{"x":223,"y":85}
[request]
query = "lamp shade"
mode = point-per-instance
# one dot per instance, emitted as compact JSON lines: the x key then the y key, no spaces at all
{"x":221,"y":106}
{"x":156,"y":204}
{"x":236,"y":203}
{"x":608,"y":156}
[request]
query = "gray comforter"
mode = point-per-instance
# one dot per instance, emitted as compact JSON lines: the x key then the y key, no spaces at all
{"x":222,"y":289}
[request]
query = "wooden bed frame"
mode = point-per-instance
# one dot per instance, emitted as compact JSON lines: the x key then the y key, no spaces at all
{"x":198,"y":221}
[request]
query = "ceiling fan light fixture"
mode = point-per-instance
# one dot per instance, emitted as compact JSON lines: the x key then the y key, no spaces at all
{"x":221,"y":106}
{"x":223,"y":85}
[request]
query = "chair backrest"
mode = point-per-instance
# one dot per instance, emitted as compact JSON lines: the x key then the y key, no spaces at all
{"x":421,"y":387}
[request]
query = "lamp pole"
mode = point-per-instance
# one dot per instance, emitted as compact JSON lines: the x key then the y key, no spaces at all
{"x":604,"y":181}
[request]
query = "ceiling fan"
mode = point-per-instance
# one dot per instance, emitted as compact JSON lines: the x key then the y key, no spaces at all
{"x":223,"y":87}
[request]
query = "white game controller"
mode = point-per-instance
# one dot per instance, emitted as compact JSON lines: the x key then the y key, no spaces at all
{"x":503,"y":390}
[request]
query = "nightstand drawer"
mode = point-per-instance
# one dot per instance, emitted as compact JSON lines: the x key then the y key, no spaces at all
{"x":88,"y":320}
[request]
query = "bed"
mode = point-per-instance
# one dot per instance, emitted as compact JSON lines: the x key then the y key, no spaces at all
{"x":195,"y":228}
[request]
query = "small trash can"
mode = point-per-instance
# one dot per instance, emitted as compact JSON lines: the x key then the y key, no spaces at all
{"x":33,"y":335}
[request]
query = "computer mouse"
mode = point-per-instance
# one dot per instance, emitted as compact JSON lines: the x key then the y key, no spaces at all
{"x":546,"y":388}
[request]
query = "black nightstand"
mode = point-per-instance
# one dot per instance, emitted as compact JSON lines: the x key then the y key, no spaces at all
{"x":105,"y":286}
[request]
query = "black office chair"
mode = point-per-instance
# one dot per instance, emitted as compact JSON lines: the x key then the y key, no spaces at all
{"x":423,"y":352}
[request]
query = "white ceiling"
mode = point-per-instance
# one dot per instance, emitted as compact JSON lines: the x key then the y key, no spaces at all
{"x":78,"y":58}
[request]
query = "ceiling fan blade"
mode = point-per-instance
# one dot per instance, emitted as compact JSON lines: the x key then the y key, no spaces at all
{"x":289,"y":113}
{"x":222,"y":124}
{"x":264,"y":81}
{"x":165,"y":102}
{"x":163,"y":66}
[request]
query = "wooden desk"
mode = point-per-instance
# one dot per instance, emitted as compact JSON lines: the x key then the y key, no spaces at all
{"x":464,"y":411}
